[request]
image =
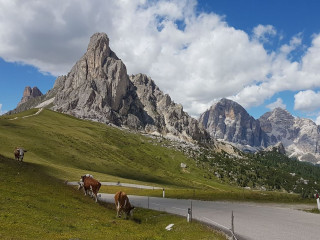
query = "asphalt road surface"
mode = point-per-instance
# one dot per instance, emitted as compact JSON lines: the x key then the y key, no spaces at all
{"x":118,"y":184}
{"x":251,"y":220}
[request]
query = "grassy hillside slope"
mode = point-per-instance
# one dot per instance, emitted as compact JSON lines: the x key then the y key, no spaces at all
{"x":66,"y":148}
{"x":34,"y":205}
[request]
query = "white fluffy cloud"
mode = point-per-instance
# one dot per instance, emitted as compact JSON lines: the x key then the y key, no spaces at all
{"x":277,"y":104}
{"x":261,"y":32}
{"x":307,"y":101}
{"x":196,"y":58}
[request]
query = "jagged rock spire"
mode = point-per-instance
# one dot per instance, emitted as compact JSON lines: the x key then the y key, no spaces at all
{"x":30,"y":93}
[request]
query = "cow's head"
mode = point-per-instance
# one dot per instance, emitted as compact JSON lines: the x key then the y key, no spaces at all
{"x":130,"y":211}
{"x":80,"y":184}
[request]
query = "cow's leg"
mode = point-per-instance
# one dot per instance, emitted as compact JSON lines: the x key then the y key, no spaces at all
{"x":118,"y":210}
{"x":91,"y":192}
{"x":80,"y":185}
{"x":95,"y":196}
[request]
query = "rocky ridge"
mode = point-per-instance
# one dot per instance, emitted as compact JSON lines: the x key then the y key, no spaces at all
{"x":168,"y":118}
{"x":98,"y":88}
{"x":297,"y":137}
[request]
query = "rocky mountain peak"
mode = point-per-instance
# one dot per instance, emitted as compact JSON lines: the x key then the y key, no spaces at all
{"x":280,"y":113}
{"x":277,"y":124}
{"x":30,"y":93}
{"x":99,"y":88}
{"x":97,"y":54}
{"x":98,"y":42}
{"x":229,"y":121}
{"x":299,"y":136}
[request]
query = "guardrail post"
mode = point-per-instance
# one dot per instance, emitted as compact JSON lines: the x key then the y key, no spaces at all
{"x":189,"y":215}
{"x":163,"y":193}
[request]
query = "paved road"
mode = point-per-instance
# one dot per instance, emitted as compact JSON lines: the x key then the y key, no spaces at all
{"x":119,"y":184}
{"x":251,"y":221}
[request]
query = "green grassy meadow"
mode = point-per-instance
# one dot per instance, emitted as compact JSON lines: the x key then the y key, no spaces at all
{"x":34,"y":205}
{"x":68,"y":147}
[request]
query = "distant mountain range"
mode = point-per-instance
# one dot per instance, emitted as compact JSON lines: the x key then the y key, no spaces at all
{"x":228,"y":121}
{"x":98,"y":88}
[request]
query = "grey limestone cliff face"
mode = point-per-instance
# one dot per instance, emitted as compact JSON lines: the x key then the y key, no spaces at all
{"x":168,"y":118}
{"x":278,"y":125}
{"x":229,"y":121}
{"x":278,"y":129}
{"x":299,"y":136}
{"x":98,"y":88}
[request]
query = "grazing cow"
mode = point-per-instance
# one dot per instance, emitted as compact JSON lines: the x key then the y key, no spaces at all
{"x":122,"y":204}
{"x":81,"y":185}
{"x":81,"y":182}
{"x":19,"y":153}
{"x":90,"y":185}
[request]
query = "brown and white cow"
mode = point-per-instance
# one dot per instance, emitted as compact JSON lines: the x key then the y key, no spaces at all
{"x":122,"y":204}
{"x":90,"y":185}
{"x":19,"y":153}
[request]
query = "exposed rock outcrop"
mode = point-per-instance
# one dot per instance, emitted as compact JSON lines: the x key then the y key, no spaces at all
{"x":299,"y":136}
{"x":168,"y":118}
{"x":277,"y":148}
{"x":98,"y":88}
{"x":229,"y":121}
{"x":30,"y":93}
{"x":276,"y":130}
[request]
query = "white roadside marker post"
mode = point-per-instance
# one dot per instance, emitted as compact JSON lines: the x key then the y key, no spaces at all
{"x":163,"y":193}
{"x":189,"y":215}
{"x":318,"y":201}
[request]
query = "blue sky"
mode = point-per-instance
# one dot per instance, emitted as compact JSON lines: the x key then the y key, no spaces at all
{"x":262,"y":54}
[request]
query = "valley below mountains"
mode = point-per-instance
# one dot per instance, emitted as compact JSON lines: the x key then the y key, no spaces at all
{"x":99,"y":88}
